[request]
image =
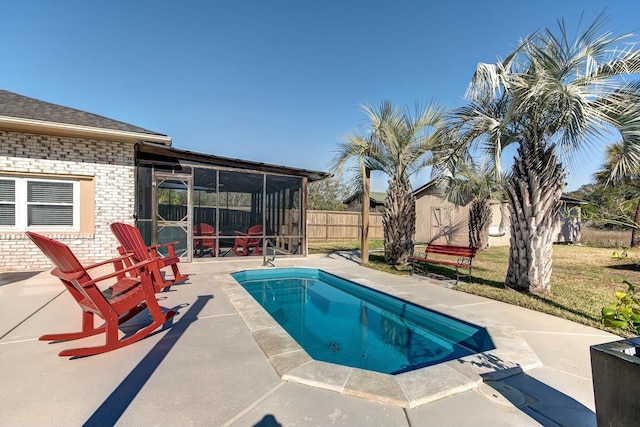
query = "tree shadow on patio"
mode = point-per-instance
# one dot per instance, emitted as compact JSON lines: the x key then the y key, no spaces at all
{"x":543,"y":403}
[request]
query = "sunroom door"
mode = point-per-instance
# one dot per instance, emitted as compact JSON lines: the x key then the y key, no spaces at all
{"x":171,"y":217}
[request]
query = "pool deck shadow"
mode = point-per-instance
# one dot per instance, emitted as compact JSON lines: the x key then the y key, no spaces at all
{"x":224,"y":361}
{"x":511,"y":355}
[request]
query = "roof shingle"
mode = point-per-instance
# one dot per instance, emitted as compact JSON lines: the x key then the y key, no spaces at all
{"x":19,"y":106}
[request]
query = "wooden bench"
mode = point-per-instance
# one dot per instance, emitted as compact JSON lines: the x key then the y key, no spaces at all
{"x":463,"y":254}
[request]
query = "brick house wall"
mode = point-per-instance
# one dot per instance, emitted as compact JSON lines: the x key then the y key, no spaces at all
{"x":109,"y":165}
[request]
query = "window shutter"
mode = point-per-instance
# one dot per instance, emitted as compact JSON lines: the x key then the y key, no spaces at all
{"x":7,"y":202}
{"x":49,"y":203}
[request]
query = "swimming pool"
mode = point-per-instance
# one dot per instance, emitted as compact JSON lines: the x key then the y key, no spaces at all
{"x":341,"y":322}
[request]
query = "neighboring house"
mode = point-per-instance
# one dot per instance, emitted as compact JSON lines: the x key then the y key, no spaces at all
{"x":376,"y":202}
{"x":441,"y":221}
{"x":69,"y":174}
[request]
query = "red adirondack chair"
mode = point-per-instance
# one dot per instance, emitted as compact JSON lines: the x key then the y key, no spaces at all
{"x":244,"y":242}
{"x":206,"y":242}
{"x":131,"y":241}
{"x":126,"y":296}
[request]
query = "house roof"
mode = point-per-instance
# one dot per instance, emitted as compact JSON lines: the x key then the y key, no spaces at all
{"x":377,"y":198}
{"x":568,"y":199}
{"x":22,"y":112}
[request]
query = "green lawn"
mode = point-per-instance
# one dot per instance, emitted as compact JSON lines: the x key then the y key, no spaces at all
{"x":584,"y":279}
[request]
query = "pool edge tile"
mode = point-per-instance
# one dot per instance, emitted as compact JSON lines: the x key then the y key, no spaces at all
{"x":320,"y":375}
{"x":275,"y":341}
{"x":258,"y":319}
{"x":370,"y":385}
{"x":286,"y":362}
{"x":432,"y":383}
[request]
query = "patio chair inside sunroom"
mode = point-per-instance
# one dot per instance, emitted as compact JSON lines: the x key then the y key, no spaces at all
{"x":202,"y":206}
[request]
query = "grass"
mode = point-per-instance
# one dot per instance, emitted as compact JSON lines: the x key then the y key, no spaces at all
{"x":605,"y":238}
{"x":321,"y":246}
{"x":584,"y":279}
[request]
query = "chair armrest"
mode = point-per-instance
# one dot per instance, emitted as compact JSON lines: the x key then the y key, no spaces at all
{"x":118,"y":272}
{"x":163,"y":244}
{"x":152,"y":250}
{"x":121,"y":258}
{"x":169,"y":245}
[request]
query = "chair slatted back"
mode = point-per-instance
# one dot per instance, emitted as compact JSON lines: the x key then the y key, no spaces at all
{"x":68,"y":269}
{"x":256,"y":230}
{"x":207,"y":233}
{"x":59,"y":254}
{"x":203,"y":228}
{"x":130,"y":240}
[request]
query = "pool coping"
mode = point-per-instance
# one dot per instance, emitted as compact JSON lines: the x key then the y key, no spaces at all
{"x":511,"y":355}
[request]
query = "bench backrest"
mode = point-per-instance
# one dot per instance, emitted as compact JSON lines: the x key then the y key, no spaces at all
{"x":468,"y":252}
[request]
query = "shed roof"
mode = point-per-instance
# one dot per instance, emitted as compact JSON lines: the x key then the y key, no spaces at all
{"x":420,"y":191}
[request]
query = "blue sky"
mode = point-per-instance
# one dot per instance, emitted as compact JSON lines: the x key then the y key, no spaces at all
{"x":278,"y":81}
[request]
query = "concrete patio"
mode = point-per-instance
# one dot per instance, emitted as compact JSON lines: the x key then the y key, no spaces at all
{"x":207,"y":369}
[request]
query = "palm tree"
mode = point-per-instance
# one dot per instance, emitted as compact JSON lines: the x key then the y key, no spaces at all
{"x":552,"y":96}
{"x":616,"y":170}
{"x":395,"y":143}
{"x":358,"y":147}
{"x":478,"y":185}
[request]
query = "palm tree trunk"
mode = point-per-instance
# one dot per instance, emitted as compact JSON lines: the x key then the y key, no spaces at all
{"x":364,"y":237}
{"x":533,"y":192}
{"x":635,"y":231}
{"x":399,"y":223}
{"x":480,"y":216}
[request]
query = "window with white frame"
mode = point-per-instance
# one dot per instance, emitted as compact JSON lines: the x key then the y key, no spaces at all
{"x":39,"y":203}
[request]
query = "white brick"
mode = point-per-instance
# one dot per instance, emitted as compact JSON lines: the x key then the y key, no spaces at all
{"x":110,"y":163}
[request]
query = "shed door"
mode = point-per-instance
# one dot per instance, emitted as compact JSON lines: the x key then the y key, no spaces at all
{"x":441,"y":225}
{"x":171,"y":212}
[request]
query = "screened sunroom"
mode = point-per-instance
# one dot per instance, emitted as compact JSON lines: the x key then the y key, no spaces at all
{"x":220,"y":207}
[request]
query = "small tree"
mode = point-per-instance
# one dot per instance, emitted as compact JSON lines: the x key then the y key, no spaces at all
{"x":477,"y":185}
{"x":618,"y":170}
{"x":327,"y":194}
{"x":396,"y":143}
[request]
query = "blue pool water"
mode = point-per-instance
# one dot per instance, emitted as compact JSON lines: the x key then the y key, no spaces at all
{"x":339,"y":321}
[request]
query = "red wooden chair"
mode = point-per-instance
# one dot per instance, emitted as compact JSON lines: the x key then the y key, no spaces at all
{"x":206,"y":243}
{"x":126,"y":296}
{"x":244,"y":242}
{"x":131,"y":241}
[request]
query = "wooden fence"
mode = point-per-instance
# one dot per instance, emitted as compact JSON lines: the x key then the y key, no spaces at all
{"x":341,"y":225}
